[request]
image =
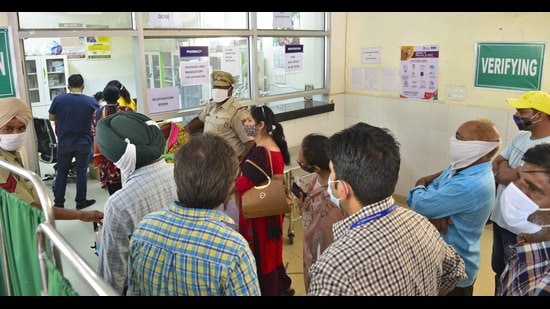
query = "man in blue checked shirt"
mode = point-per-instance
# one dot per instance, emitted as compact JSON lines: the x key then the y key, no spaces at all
{"x":459,"y":199}
{"x":188,"y":248}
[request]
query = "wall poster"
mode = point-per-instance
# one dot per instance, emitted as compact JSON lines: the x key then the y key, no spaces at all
{"x":419,"y":72}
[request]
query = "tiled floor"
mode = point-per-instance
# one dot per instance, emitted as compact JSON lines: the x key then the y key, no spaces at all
{"x":80,"y":236}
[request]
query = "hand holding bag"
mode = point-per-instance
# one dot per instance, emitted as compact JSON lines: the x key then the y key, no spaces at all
{"x":269,"y":198}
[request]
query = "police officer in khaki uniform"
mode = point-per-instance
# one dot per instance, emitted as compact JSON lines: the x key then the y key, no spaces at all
{"x":223,"y":115}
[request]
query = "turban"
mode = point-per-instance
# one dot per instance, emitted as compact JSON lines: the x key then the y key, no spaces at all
{"x":14,"y":107}
{"x":116,"y":131}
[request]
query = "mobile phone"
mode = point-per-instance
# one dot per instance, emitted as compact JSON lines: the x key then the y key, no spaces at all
{"x":296,"y":190}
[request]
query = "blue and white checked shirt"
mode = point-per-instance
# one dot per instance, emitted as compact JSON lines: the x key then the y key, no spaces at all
{"x":189,"y":251}
{"x":527,"y":272}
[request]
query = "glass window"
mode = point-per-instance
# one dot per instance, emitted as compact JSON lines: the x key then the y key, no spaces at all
{"x":78,"y":20}
{"x":196,"y":20}
{"x":275,"y":74}
{"x":291,"y":20}
{"x":165,"y":62}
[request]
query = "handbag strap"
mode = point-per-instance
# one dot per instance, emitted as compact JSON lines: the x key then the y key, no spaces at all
{"x":256,"y":166}
{"x":261,"y":170}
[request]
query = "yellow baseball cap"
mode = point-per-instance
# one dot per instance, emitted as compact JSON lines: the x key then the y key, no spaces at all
{"x":222,"y":78}
{"x":539,"y":100}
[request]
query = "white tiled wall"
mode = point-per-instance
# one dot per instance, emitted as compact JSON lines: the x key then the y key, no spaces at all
{"x":422,"y":128}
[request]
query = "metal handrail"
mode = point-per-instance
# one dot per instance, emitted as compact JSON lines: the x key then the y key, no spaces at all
{"x":100,"y":286}
{"x":46,"y":203}
{"x":57,"y":242}
{"x":41,"y":191}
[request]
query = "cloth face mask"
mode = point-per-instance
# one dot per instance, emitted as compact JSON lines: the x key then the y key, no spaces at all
{"x":464,"y":153}
{"x":250,"y":129}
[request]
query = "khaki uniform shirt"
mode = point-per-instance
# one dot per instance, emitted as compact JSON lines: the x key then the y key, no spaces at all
{"x":227,"y":122}
{"x":13,"y":183}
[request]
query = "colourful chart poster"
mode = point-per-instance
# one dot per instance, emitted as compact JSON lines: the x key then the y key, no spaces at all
{"x":419,"y":72}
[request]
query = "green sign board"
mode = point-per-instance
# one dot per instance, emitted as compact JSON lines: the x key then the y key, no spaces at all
{"x":514,"y":66}
{"x":7,"y":86}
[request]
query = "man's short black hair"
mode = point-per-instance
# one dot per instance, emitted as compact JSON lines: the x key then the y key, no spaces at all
{"x":76,"y":81}
{"x":366,"y":157}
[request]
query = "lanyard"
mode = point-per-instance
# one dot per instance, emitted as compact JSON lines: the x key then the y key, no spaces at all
{"x":374,"y":216}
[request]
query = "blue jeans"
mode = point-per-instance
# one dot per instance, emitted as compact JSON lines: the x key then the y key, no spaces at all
{"x":502,"y":240}
{"x":65,"y":155}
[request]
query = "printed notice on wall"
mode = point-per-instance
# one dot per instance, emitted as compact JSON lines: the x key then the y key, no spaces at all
{"x":232,"y":60}
{"x":282,"y":20}
{"x":294,"y":58}
{"x":419,"y":72}
{"x":99,"y":47}
{"x":163,"y":99}
{"x":389,"y":80}
{"x":370,"y":55}
{"x":372,"y":80}
{"x":194,"y":72}
{"x":356,"y":78}
{"x":161,"y":19}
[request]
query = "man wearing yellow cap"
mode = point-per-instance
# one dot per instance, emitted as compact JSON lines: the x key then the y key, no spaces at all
{"x":533,"y":121}
{"x":223,"y":115}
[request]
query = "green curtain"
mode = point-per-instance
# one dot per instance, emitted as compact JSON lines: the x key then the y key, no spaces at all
{"x":19,"y":223}
{"x":57,"y":284}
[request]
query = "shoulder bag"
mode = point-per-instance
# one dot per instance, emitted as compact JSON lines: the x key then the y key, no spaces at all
{"x":270,"y":198}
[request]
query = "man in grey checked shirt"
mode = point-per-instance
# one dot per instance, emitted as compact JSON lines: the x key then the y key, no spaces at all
{"x":134,"y":143}
{"x":380,"y":248}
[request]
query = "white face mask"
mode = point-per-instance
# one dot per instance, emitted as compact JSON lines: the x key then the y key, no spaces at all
{"x":517,"y":207}
{"x":127,"y":163}
{"x":219,"y":95}
{"x":464,"y":153}
{"x":333,"y":198}
{"x":12,"y":142}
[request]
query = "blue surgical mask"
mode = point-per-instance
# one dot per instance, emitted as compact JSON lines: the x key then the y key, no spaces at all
{"x":333,"y":198}
{"x":524,"y":123}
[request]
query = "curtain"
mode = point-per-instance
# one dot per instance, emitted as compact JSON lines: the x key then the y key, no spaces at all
{"x":19,"y":222}
{"x":57,"y":284}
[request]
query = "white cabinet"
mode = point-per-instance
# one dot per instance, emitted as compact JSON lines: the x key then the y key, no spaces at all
{"x":162,"y":69}
{"x":46,"y":78}
{"x":153,"y":69}
{"x":171,"y":68}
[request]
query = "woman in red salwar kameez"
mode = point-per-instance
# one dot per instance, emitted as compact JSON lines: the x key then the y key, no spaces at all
{"x":265,"y":234}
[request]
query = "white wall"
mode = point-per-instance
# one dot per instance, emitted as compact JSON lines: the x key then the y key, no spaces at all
{"x":4,"y":19}
{"x":424,"y":127}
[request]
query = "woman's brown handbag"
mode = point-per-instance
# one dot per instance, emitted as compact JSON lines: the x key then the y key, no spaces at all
{"x":269,"y":198}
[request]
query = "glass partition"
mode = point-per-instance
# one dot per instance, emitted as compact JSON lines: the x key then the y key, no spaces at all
{"x":75,"y":20}
{"x":168,"y":65}
{"x":291,"y":20}
{"x":276,"y":72}
{"x":196,"y":20}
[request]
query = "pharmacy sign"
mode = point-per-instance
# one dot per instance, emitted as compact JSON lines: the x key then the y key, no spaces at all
{"x":514,"y":66}
{"x":7,"y":86}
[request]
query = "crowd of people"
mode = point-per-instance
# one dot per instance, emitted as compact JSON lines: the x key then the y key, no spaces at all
{"x":168,"y":227}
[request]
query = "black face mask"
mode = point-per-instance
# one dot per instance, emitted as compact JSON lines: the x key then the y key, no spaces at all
{"x":307,"y":168}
